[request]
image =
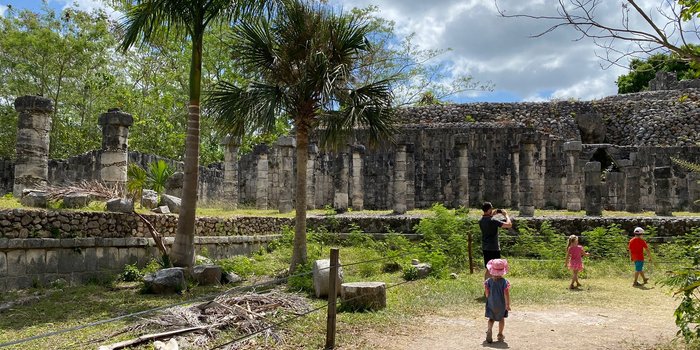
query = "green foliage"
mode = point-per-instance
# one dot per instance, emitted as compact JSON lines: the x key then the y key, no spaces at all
{"x":131,"y":273}
{"x":469,"y":119}
{"x":136,"y":181}
{"x":240,"y":265}
{"x":410,"y":273}
{"x":445,"y":237}
{"x":158,"y":174}
{"x":685,"y":281}
{"x":644,"y":70}
{"x":357,"y":237}
{"x":606,"y":242}
{"x":530,"y":243}
{"x":302,"y":280}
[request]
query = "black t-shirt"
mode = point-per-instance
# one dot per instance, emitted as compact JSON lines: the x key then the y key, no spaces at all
{"x":489,"y":233}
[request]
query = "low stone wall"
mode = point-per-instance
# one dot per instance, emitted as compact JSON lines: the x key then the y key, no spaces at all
{"x":38,"y":246}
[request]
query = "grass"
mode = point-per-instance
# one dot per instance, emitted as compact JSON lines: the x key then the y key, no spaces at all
{"x":607,"y":283}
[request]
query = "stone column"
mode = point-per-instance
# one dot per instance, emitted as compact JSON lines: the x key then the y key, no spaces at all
{"x":311,"y":177}
{"x":231,"y":145}
{"x":572,"y":149}
{"x":633,"y":192}
{"x":410,"y":177}
{"x":287,"y":146}
{"x":662,"y":189}
{"x":515,"y":177}
{"x":340,"y":198}
{"x":400,"y":180}
{"x":358,"y":192}
{"x":115,"y":139}
{"x":261,"y":182}
{"x":527,"y":175}
{"x":32,"y":147}
{"x":462,"y":144}
{"x":693,"y":191}
{"x":593,"y":200}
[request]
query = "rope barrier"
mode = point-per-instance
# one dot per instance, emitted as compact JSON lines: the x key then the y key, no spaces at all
{"x":208,"y":297}
{"x":248,"y":336}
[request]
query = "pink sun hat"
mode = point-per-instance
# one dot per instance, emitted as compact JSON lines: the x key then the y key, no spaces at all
{"x":497,"y":267}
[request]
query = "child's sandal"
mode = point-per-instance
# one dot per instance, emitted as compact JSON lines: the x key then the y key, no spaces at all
{"x":500,"y":337}
{"x":571,"y":286}
{"x":489,"y":337}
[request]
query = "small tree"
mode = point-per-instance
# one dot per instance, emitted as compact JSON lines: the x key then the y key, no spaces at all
{"x":300,"y":64}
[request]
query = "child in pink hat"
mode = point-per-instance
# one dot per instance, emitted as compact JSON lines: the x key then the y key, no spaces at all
{"x":497,"y":297}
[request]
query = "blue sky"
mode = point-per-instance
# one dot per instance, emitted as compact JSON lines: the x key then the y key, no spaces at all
{"x":484,"y":45}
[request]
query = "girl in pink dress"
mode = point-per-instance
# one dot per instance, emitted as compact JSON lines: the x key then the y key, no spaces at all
{"x":574,"y":260}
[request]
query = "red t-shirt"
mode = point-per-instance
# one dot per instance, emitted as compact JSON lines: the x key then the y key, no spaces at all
{"x":636,"y":248}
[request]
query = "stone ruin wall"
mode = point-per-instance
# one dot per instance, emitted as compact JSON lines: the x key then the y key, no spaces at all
{"x":644,"y":129}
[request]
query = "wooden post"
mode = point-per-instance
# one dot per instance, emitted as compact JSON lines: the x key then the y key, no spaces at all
{"x":332,"y":296}
{"x":471,"y":256}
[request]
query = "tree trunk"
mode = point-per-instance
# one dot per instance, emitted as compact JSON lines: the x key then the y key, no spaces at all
{"x":299,"y":249}
{"x":183,"y":250}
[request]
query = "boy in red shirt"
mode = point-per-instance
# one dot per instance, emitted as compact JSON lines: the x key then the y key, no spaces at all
{"x":636,"y":247}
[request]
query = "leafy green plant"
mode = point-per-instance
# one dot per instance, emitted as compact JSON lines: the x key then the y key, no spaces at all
{"x":358,"y":238}
{"x":131,"y":273}
{"x":445,"y":237}
{"x":137,"y":180}
{"x":302,"y":280}
{"x":240,"y":265}
{"x":606,"y":242}
{"x":410,"y":273}
{"x":158,"y":174}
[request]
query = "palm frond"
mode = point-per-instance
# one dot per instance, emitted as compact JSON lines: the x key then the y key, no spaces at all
{"x":238,"y":111}
{"x":149,"y":19}
{"x":686,"y":164}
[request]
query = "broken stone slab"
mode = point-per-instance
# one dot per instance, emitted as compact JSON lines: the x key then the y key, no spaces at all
{"x":173,"y":203}
{"x":166,"y":281}
{"x":321,"y":277}
{"x":120,"y":205}
{"x":149,"y":199}
{"x":360,"y":296}
{"x":163,"y":209}
{"x":230,"y":277}
{"x":34,"y":199}
{"x":76,"y":200}
{"x":207,"y":275}
{"x":423,"y":270}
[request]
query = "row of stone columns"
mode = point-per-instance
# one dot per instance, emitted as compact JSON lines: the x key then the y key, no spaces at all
{"x":32,"y":146}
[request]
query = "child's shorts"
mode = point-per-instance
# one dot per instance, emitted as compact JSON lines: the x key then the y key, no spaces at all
{"x":639,"y":265}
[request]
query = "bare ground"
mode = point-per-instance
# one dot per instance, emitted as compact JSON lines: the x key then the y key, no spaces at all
{"x":538,"y":327}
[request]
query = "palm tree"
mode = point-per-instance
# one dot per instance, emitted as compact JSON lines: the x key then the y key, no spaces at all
{"x":300,"y":64}
{"x":151,"y":19}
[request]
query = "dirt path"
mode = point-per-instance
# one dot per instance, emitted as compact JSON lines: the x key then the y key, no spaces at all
{"x":532,"y":328}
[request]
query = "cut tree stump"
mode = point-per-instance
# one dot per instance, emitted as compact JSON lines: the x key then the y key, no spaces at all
{"x":360,"y":296}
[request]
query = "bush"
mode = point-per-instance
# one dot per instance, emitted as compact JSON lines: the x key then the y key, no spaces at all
{"x":605,"y":242}
{"x":240,"y":265}
{"x":445,"y":238}
{"x":543,"y":244}
{"x":302,"y":280}
{"x":131,"y":273}
{"x":357,"y":238}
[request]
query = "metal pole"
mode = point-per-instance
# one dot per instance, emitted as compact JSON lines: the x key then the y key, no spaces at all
{"x":332,"y":296}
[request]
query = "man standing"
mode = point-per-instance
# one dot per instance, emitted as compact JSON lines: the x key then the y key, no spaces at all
{"x":489,"y":233}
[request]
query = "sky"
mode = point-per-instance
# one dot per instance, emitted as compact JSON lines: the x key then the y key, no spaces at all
{"x":488,"y":47}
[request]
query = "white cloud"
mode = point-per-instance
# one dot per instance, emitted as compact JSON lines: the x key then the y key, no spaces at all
{"x":502,"y":50}
{"x":3,"y":8}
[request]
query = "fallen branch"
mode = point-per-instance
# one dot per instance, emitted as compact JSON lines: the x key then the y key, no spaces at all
{"x":157,"y":238}
{"x":154,"y":336}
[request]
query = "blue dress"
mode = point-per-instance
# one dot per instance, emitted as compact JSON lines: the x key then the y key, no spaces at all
{"x":496,"y":302}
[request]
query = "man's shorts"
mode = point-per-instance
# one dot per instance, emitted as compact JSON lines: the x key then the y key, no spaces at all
{"x":639,"y":266}
{"x":490,"y":255}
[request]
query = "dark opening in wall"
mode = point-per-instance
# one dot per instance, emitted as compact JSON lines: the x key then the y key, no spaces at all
{"x":607,"y":163}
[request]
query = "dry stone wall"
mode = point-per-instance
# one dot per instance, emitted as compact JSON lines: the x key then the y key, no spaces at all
{"x":38,"y":247}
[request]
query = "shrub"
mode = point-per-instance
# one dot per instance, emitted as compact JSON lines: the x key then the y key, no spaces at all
{"x":240,"y":265}
{"x":302,"y":280}
{"x":410,"y":273}
{"x":357,"y":238}
{"x":131,"y":273}
{"x":445,"y":237}
{"x":605,"y":242}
